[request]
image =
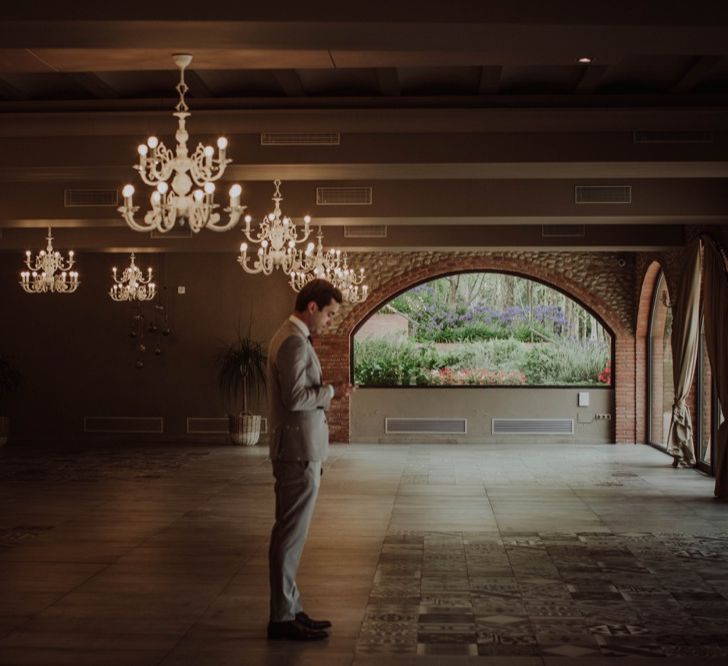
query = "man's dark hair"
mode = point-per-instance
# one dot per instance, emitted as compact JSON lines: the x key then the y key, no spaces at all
{"x":321,"y":292}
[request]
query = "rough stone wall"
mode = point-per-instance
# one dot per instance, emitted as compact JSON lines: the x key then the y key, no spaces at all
{"x":604,"y":282}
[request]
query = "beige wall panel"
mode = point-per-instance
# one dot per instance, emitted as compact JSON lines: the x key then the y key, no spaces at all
{"x":370,"y":407}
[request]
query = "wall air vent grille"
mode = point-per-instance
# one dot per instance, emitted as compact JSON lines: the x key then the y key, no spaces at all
{"x":344,"y":196}
{"x":673,"y":137}
{"x":532,"y":426}
{"x":425,"y":426}
{"x":300,"y":139}
{"x":366,"y":231}
{"x":175,"y":232}
{"x":215,"y":425}
{"x":88,"y":198}
{"x":603,"y":194}
{"x":563,"y":231}
{"x":124,"y":424}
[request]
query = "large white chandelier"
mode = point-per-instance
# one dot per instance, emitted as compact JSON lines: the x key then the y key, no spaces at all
{"x":132,"y":286}
{"x":49,"y":271}
{"x":176,"y":201}
{"x":278,"y":238}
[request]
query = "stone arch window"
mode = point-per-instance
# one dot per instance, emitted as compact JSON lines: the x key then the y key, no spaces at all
{"x":482,"y":328}
{"x":660,"y":388}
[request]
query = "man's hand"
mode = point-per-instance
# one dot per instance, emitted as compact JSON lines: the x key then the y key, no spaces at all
{"x":342,"y":390}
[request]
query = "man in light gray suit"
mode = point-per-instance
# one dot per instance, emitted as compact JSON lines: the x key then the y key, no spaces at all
{"x":299,"y":443}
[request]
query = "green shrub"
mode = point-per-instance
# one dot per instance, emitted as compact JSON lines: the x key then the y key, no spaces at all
{"x":402,"y":362}
{"x":565,"y":362}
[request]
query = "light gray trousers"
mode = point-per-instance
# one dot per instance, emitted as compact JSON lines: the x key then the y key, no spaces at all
{"x":296,"y":488}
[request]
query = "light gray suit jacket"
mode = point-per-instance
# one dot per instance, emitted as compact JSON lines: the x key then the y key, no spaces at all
{"x":297,"y":398}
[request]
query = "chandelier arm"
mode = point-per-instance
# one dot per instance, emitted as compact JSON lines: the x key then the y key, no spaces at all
{"x":159,"y":168}
{"x":245,"y":265}
{"x":306,"y":233}
{"x":262,"y":234}
{"x":136,"y":226}
{"x":216,"y":226}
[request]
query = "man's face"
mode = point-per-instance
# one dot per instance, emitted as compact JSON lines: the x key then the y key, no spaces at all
{"x":321,"y":319}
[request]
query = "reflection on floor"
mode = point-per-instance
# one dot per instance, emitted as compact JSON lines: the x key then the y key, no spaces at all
{"x":420,"y":554}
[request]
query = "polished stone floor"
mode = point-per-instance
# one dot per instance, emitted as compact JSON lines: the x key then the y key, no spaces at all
{"x":421,"y":554}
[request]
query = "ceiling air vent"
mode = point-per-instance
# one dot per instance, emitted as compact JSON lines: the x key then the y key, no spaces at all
{"x":397,"y":426}
{"x":563,"y":231}
{"x":673,"y":137}
{"x":86,"y":198}
{"x":532,"y":426}
{"x":343,"y":196}
{"x":603,"y":194}
{"x":366,"y":231}
{"x":300,"y":139}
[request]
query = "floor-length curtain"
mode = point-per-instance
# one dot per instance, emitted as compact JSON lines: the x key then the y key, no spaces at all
{"x":685,"y":338}
{"x":715,"y":306}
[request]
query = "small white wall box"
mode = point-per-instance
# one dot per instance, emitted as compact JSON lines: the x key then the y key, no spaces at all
{"x":181,"y":289}
{"x":583,"y":398}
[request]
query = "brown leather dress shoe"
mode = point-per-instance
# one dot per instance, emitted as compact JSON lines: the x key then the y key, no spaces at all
{"x":310,"y":623}
{"x":293,"y":631}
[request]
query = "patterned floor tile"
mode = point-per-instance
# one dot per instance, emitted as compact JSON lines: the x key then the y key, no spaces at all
{"x":549,"y":594}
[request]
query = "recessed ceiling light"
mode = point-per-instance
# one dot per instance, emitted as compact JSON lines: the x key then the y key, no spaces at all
{"x":585,"y":60}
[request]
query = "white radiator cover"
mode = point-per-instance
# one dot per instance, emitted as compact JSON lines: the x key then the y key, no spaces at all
{"x":503,"y":426}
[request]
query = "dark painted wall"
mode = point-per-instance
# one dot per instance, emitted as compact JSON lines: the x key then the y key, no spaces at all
{"x":77,"y":358}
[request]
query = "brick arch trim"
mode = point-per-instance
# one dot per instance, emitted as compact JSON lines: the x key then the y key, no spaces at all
{"x":650,"y":279}
{"x":649,"y":283}
{"x":589,"y":284}
{"x":356,"y":317}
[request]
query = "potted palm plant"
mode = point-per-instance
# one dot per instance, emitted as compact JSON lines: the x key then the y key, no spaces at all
{"x":241,"y":371}
{"x":9,"y":384}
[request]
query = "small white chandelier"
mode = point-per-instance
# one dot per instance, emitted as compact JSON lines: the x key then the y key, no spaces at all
{"x":175,"y":201}
{"x":49,"y":271}
{"x":315,"y":261}
{"x":328,"y":265}
{"x":277,"y":237}
{"x":349,"y":282}
{"x":132,"y":286}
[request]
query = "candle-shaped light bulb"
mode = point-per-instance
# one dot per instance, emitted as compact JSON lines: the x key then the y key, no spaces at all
{"x":235,"y":192}
{"x":156,"y":198}
{"x":127,"y":193}
{"x":264,"y":244}
{"x":162,"y":187}
{"x":199,"y":195}
{"x":243,"y":248}
{"x":152,"y":142}
{"x":209,"y":188}
{"x":222,"y":143}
